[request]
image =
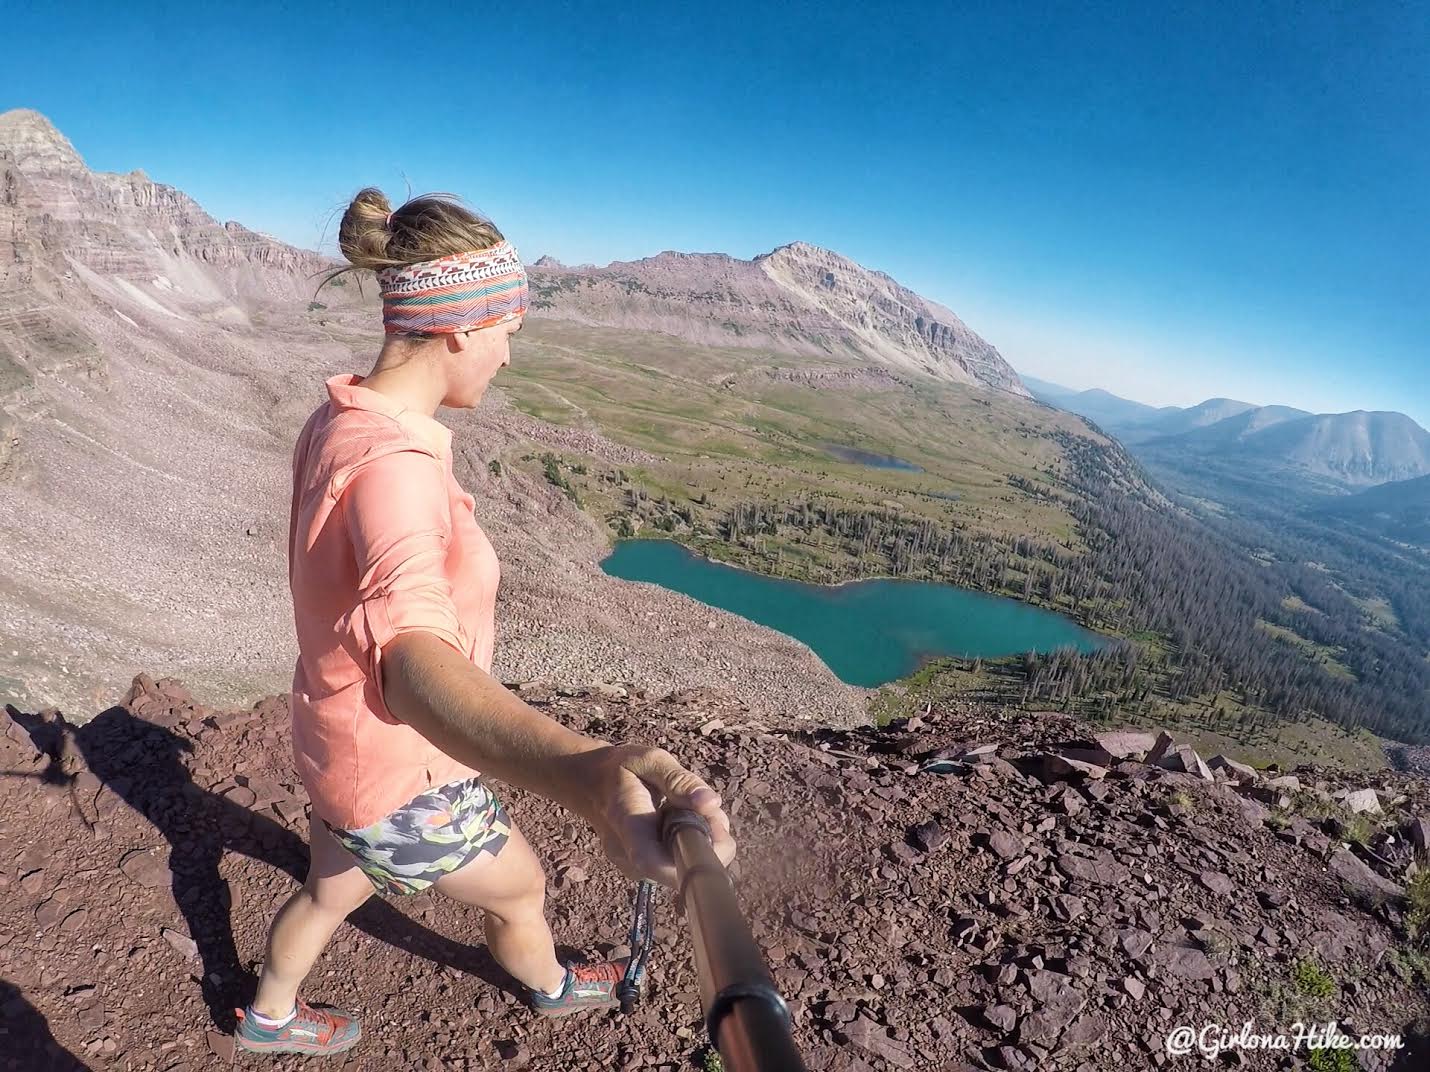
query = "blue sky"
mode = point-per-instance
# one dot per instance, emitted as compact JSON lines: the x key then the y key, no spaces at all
{"x":1191,"y":200}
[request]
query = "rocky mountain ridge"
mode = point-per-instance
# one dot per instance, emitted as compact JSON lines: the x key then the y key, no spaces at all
{"x":973,"y":888}
{"x":62,"y":217}
{"x":797,"y":299}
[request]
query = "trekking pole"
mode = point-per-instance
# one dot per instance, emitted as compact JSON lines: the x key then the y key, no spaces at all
{"x":628,"y":990}
{"x":746,"y":1018}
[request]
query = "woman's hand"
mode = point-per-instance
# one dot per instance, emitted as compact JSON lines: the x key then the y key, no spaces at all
{"x":623,"y":788}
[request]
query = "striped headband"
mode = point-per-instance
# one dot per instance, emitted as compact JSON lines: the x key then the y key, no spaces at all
{"x":461,"y":292}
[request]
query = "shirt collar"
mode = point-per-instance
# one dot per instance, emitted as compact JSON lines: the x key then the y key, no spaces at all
{"x":346,"y":392}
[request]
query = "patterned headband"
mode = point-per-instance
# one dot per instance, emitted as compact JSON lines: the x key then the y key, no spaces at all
{"x":458,"y":293}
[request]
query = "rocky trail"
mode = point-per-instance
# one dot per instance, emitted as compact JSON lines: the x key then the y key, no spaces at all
{"x":975,"y":888}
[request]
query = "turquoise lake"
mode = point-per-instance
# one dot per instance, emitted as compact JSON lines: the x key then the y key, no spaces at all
{"x":867,"y":632}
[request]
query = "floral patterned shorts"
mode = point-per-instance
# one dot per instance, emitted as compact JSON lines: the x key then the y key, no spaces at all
{"x":438,"y":833}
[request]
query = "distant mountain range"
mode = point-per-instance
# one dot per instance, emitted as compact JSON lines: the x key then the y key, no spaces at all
{"x":798,"y":299}
{"x":1343,"y":450}
{"x":1103,"y":407}
{"x":1399,"y":510}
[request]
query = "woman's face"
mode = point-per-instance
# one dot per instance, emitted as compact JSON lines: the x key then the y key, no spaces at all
{"x":477,"y":358}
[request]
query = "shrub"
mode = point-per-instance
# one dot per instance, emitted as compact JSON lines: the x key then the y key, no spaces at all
{"x":1328,"y":1060}
{"x":1417,"y":911}
{"x":1358,"y":828}
{"x":1312,"y":980}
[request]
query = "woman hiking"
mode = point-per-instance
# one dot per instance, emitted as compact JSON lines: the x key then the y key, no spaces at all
{"x":394,"y":707}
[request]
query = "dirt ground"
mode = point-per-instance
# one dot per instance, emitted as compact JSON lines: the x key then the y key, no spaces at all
{"x":984,"y":918}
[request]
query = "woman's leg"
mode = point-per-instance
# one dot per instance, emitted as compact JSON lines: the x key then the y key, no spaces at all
{"x":335,"y":888}
{"x":511,"y":887}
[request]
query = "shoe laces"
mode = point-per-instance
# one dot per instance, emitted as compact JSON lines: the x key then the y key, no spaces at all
{"x":325,"y":1021}
{"x":610,"y":971}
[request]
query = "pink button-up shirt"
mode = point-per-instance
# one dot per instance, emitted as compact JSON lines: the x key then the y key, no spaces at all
{"x":381,"y":542}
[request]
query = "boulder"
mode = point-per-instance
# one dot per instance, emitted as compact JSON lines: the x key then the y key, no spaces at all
{"x":1086,"y":752}
{"x":1089,"y":1028}
{"x":1164,"y":744}
{"x":1133,"y":941}
{"x":1217,"y":883}
{"x":1361,"y":800}
{"x":1126,"y":744}
{"x":999,"y":1017}
{"x":1417,"y":832}
{"x":1184,"y":759}
{"x":1272,"y":798}
{"x":1006,"y":845}
{"x":928,"y":836}
{"x":1238,"y":772}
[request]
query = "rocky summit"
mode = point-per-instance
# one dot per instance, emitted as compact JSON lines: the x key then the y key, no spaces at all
{"x":797,"y":299}
{"x":116,"y":232}
{"x":972,"y":888}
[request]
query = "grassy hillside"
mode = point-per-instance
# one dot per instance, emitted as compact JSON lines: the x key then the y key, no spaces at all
{"x":732,"y":430}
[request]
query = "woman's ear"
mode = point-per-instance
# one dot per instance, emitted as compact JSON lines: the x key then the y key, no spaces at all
{"x":458,"y":341}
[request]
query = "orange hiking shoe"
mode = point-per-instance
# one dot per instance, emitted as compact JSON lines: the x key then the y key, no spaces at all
{"x":316,"y":1030}
{"x":587,"y":986}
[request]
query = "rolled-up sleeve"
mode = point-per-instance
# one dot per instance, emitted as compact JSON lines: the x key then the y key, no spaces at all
{"x":398,"y":517}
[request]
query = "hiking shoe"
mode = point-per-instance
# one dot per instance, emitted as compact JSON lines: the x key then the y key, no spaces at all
{"x":587,"y":986}
{"x":316,"y":1030}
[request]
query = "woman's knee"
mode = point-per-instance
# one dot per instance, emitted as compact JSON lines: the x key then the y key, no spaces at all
{"x":337,"y":894}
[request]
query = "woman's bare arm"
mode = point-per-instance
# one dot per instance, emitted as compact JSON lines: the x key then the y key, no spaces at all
{"x":476,"y":720}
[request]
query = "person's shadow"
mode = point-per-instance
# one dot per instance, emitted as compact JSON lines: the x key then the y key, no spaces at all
{"x":141,"y":763}
{"x":25,"y":1038}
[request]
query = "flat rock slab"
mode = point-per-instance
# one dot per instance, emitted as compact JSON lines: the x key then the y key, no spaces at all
{"x":1052,"y":767}
{"x":182,"y":943}
{"x":872,"y":1038}
{"x":1006,"y":845}
{"x":147,"y":868}
{"x":1363,"y":882}
{"x":1183,"y":961}
{"x":1059,"y":1002}
{"x":1217,"y":882}
{"x":1126,"y":744}
{"x":1362,"y":800}
{"x":1100,"y":869}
